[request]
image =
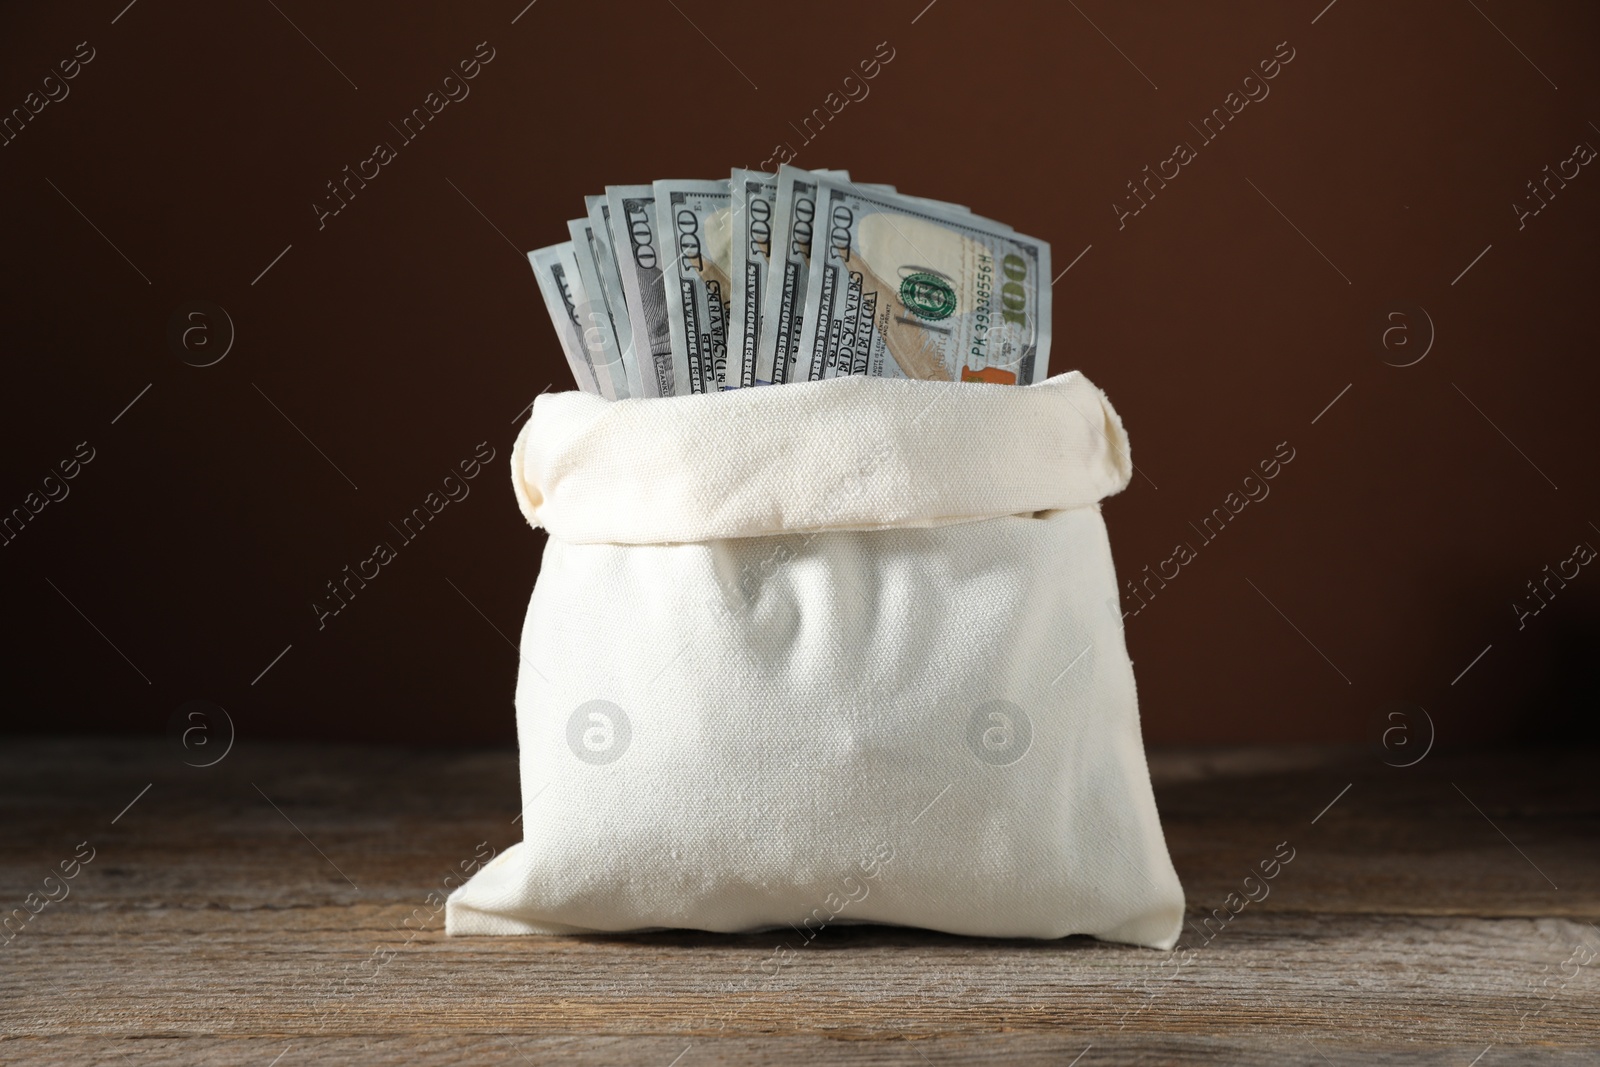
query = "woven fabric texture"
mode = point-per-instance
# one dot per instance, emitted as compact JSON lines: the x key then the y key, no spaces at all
{"x":852,"y":452}
{"x":841,"y":652}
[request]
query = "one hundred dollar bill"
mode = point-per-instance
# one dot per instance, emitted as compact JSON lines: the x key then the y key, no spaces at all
{"x":640,"y":258}
{"x":783,"y":309}
{"x":605,"y":255}
{"x":783,"y":314}
{"x":922,"y":200}
{"x":556,"y":269}
{"x":695,"y":220}
{"x":906,"y":288}
{"x":754,"y":198}
{"x":600,"y":334}
{"x":793,"y":216}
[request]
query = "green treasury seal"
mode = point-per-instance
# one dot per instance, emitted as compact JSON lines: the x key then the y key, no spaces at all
{"x":928,"y":296}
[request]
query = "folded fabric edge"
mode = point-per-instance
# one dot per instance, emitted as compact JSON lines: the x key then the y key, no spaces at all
{"x":566,"y":416}
{"x":1117,"y":438}
{"x":528,"y":498}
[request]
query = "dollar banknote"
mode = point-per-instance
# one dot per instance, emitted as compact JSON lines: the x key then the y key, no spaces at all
{"x":754,"y":197}
{"x":907,"y":288}
{"x":695,"y":217}
{"x":600,"y":333}
{"x":783,"y":309}
{"x":683,"y":287}
{"x":556,"y":269}
{"x":639,"y":257}
{"x":793,"y":215}
{"x":605,"y":256}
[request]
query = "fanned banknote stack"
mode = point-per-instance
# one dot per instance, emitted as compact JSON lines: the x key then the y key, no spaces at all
{"x":691,"y":286}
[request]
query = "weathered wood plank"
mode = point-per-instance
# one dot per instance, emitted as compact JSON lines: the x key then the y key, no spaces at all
{"x":210,"y":929}
{"x":300,"y":970}
{"x":1026,"y":1050}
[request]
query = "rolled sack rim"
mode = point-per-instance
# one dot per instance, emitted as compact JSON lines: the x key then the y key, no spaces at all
{"x":848,"y":453}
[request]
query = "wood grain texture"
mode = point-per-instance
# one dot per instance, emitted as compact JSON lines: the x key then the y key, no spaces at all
{"x":1443,"y":913}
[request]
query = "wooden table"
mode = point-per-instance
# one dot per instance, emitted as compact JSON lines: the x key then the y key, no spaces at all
{"x":256,"y":912}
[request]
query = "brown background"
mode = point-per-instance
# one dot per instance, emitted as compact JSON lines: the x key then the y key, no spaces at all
{"x":410,"y":329}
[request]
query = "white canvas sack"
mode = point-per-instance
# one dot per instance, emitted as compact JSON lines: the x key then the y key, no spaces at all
{"x":835,"y":652}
